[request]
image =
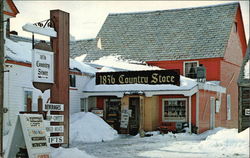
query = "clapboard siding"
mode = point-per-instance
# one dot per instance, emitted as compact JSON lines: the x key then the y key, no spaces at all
{"x":77,"y":93}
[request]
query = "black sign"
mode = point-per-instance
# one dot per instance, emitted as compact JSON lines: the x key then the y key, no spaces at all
{"x":139,"y":77}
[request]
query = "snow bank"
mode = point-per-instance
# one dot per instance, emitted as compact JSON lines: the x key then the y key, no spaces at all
{"x":69,"y":152}
{"x":227,"y":142}
{"x":87,"y":127}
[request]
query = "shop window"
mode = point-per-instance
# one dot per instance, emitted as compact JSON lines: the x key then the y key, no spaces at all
{"x":190,"y":69}
{"x":72,"y":80}
{"x":228,"y":107}
{"x":27,"y":94}
{"x":174,"y":110}
{"x":84,"y":104}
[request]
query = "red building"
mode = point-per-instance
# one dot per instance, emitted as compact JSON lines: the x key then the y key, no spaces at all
{"x":184,"y":39}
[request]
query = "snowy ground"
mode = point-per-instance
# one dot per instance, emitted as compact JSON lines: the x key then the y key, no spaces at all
{"x":217,"y":143}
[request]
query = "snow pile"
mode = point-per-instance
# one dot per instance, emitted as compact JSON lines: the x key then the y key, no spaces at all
{"x":70,"y":152}
{"x":246,"y":70}
{"x":216,"y":143}
{"x":88,"y":127}
{"x":118,"y":62}
{"x":227,"y":141}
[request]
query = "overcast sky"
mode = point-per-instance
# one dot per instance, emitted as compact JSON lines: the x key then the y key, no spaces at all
{"x":87,"y":17}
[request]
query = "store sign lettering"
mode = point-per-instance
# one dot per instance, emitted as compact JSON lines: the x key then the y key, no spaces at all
{"x":43,"y":69}
{"x":139,"y":77}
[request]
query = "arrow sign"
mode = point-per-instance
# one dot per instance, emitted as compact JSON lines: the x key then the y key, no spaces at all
{"x":53,"y":107}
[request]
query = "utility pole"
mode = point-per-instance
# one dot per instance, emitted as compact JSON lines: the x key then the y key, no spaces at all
{"x":1,"y":75}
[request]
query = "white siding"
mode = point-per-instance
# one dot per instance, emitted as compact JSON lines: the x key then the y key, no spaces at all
{"x":76,"y":95}
{"x":17,"y":80}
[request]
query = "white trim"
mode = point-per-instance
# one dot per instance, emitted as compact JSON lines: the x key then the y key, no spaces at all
{"x":212,"y":113}
{"x":120,"y":94}
{"x":170,"y":99}
{"x":190,"y":114}
{"x":197,"y":110}
{"x":184,"y":73}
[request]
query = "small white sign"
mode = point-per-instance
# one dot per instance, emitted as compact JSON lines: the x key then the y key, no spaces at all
{"x":53,"y":107}
{"x":56,"y":140}
{"x":55,"y":118}
{"x":55,"y":129}
{"x":125,"y":114}
{"x":43,"y":66}
{"x":247,"y":112}
{"x":29,"y":131}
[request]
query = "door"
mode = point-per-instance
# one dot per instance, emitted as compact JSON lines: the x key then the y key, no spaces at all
{"x":212,"y":113}
{"x":134,"y":119}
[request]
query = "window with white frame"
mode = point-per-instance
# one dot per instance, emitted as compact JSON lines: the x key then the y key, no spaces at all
{"x":84,"y":104}
{"x":228,"y":107}
{"x":190,"y":69}
{"x":174,"y":109}
{"x":27,"y":95}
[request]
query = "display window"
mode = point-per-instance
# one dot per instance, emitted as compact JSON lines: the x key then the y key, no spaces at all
{"x":174,"y":110}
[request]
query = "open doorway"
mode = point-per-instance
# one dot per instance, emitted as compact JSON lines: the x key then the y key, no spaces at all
{"x":134,"y":120}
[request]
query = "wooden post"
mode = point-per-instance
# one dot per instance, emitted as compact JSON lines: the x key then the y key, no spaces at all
{"x":1,"y":75}
{"x":40,"y":104}
{"x":60,"y":45}
{"x":29,"y":104}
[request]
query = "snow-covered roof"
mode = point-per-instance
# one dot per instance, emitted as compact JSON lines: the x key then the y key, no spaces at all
{"x":22,"y":52}
{"x":117,"y":62}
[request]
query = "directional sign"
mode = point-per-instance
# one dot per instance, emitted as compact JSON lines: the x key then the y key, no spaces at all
{"x":55,"y":118}
{"x":55,"y":140}
{"x":55,"y":129}
{"x":53,"y":107}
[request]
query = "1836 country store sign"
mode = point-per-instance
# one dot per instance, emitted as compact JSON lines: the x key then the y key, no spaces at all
{"x":139,"y":77}
{"x":43,"y":68}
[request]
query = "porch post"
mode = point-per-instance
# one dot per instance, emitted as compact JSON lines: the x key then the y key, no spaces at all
{"x":190,"y":114}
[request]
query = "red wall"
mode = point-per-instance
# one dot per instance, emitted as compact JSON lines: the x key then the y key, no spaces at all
{"x":212,"y":66}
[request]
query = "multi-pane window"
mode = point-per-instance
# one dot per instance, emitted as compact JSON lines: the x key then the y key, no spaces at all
{"x":190,"y":69}
{"x":72,"y":80}
{"x":174,"y":110}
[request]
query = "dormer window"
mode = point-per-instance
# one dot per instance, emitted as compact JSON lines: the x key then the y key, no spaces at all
{"x":99,"y":43}
{"x":235,"y":27}
{"x":190,"y":69}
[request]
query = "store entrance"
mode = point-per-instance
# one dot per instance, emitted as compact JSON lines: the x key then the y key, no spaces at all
{"x":113,"y":112}
{"x":134,"y":120}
